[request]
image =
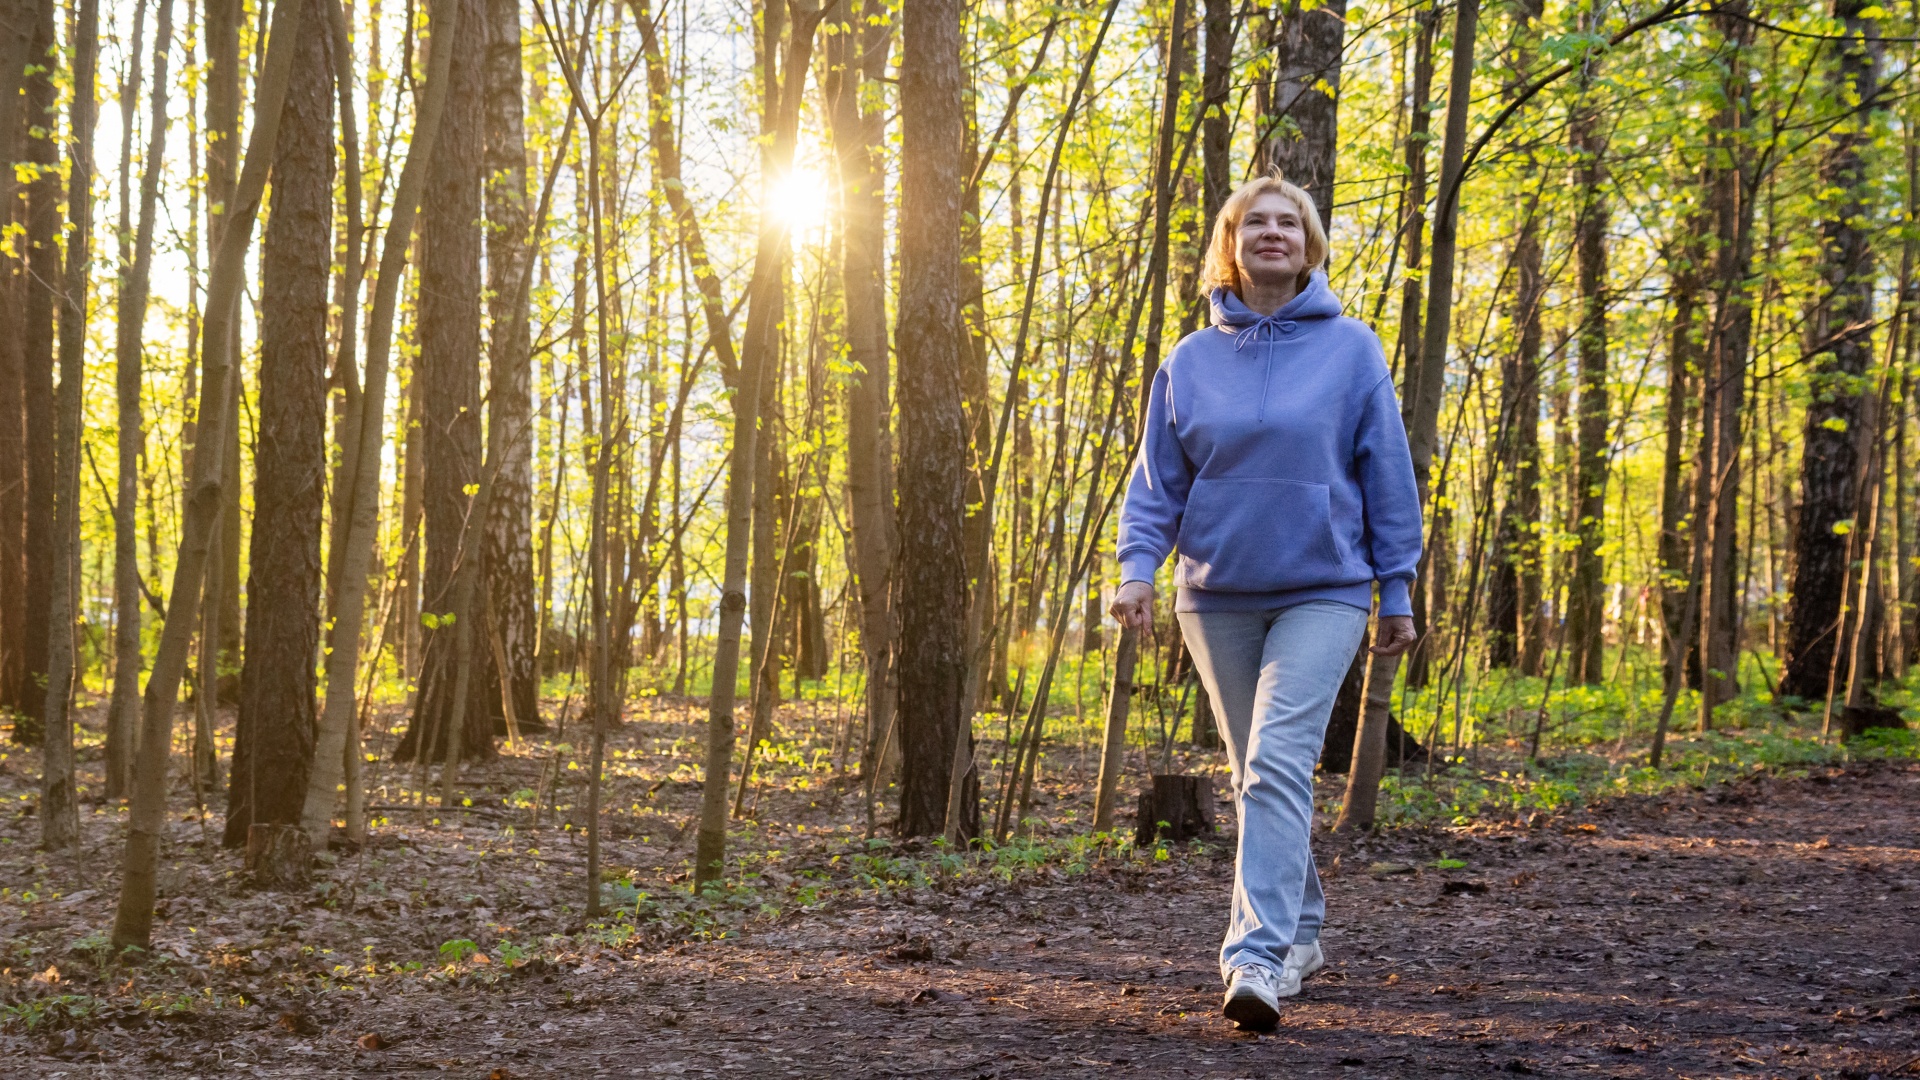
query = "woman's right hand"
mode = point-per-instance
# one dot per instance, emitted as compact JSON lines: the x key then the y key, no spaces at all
{"x":1133,"y":606}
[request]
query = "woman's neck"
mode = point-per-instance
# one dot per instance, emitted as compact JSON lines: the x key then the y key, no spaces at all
{"x":1267,"y":297}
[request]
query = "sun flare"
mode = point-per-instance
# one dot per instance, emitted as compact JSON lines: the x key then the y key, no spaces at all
{"x":801,"y":199}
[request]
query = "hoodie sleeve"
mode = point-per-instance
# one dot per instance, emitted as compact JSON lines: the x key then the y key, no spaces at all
{"x":1390,"y":498}
{"x":1157,"y":492}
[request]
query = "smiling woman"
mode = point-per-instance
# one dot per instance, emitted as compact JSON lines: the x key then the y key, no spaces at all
{"x":1275,"y":465}
{"x":800,"y":199}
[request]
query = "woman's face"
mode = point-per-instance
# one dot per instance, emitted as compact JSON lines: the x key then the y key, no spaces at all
{"x":1271,"y":248}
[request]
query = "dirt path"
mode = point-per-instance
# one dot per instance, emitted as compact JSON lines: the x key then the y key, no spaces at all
{"x":1768,"y":929}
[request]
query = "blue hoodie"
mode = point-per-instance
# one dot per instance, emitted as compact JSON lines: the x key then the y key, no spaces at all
{"x":1275,"y":462}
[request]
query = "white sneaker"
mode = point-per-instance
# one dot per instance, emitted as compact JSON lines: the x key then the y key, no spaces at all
{"x":1302,"y":961}
{"x":1253,"y":997}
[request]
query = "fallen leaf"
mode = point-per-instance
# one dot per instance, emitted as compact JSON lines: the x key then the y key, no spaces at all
{"x":298,"y":1023}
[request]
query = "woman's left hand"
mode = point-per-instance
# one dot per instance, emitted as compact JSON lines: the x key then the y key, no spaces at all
{"x":1393,"y":636}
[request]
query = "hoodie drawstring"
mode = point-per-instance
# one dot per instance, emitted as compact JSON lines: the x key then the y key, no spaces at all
{"x":1270,"y":323}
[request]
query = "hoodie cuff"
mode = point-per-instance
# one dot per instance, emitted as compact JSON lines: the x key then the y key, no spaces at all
{"x":1394,"y":598}
{"x":1139,"y":566}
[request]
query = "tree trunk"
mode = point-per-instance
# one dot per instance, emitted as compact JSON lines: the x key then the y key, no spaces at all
{"x":16,"y":43}
{"x":762,"y":328}
{"x":1336,"y":749}
{"x":338,"y":737}
{"x":1586,"y":592}
{"x":1421,"y":410}
{"x":858,"y":132}
{"x":1723,"y":398}
{"x":59,"y":794}
{"x":1113,"y":750}
{"x":413,"y":505}
{"x":1513,"y":605}
{"x":1413,"y":238}
{"x":273,"y":746}
{"x":222,"y":22}
{"x":1301,"y":135}
{"x":1120,"y":692}
{"x":1685,"y":267}
{"x":509,"y":541}
{"x":1216,"y":126}
{"x":448,"y":368}
{"x":1840,"y":350}
{"x":130,"y":314}
{"x":133,"y":922}
{"x":931,"y":338}
{"x":763,"y":589}
{"x":1513,"y":591}
{"x":36,"y":335}
{"x":277,"y":855}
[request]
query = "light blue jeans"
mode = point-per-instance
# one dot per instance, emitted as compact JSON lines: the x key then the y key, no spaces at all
{"x":1273,"y":676}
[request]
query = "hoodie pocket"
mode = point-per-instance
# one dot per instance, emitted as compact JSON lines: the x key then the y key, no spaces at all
{"x":1257,"y":536}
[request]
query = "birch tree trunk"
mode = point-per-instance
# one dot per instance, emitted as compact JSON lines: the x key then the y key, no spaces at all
{"x":509,"y":541}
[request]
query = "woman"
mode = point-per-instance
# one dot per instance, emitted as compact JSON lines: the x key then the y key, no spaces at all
{"x":1274,"y":462}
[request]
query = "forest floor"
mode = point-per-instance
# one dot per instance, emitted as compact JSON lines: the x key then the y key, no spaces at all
{"x":1767,"y":926}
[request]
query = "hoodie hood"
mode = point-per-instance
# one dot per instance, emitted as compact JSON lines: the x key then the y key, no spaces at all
{"x":1316,"y":301}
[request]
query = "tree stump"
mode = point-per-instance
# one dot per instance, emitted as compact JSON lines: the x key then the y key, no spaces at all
{"x":279,"y":856}
{"x":1178,"y":808}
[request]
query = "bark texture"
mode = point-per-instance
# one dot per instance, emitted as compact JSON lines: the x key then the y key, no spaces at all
{"x":1841,"y":349}
{"x":274,"y":730}
{"x":931,"y":338}
{"x":16,"y":39}
{"x":130,"y":317}
{"x":59,"y":793}
{"x":448,"y":368}
{"x":40,"y":291}
{"x":1686,"y":268}
{"x":509,"y":536}
{"x":1300,"y":132}
{"x":1513,"y":586}
{"x":1723,"y":398}
{"x":1586,"y":600}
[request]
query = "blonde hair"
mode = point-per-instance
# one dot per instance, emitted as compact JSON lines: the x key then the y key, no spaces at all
{"x":1221,"y":270}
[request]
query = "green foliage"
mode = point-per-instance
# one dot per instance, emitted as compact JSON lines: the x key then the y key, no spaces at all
{"x":55,"y":1013}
